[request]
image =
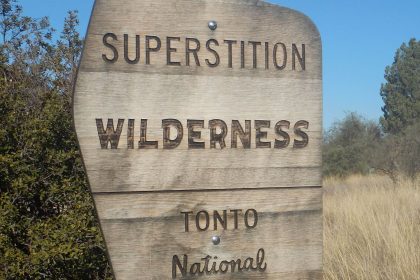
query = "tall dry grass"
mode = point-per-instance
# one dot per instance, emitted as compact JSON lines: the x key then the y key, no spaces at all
{"x":371,"y":229}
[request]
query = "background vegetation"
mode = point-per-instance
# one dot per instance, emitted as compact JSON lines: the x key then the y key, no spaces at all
{"x":48,"y":229}
{"x":371,"y":228}
{"x":372,"y":184}
{"x":392,"y":145}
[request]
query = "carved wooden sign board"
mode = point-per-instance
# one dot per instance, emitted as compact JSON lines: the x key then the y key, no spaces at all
{"x":199,"y":122}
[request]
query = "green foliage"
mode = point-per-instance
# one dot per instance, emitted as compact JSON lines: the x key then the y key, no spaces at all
{"x":401,"y":92}
{"x":355,"y":145}
{"x":349,"y":146}
{"x":48,"y":229}
{"x":401,"y":95}
{"x":400,"y":153}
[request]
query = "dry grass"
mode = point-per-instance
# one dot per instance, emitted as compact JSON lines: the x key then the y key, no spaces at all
{"x":372,"y":229}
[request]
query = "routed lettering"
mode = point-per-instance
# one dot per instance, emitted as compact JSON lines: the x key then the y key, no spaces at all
{"x":244,"y":135}
{"x":194,"y":135}
{"x":300,"y":56}
{"x":130,"y":134}
{"x":137,"y":50}
{"x":227,"y":219}
{"x":281,"y":144}
{"x":214,"y":52}
{"x":168,"y":142}
{"x":198,"y":219}
{"x":189,"y":50}
{"x":110,"y":135}
{"x":111,"y":47}
{"x":144,"y":143}
{"x":260,"y":135}
{"x":284,"y":56}
{"x":210,"y":265}
{"x":230,"y":43}
{"x":217,"y":137}
{"x":173,"y":134}
{"x":255,"y":216}
{"x":150,"y":49}
{"x":170,"y":50}
{"x":218,"y":218}
{"x":254,"y":53}
{"x":298,"y":131}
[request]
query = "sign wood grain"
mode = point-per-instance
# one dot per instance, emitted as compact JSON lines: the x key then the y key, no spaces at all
{"x":203,"y":147}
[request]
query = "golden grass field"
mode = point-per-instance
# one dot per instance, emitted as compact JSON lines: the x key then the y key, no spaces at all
{"x":371,"y":228}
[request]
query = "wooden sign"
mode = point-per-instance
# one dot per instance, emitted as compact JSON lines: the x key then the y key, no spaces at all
{"x":199,"y":122}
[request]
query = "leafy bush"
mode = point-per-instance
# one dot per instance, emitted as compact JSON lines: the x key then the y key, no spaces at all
{"x":350,"y":145}
{"x":48,"y":229}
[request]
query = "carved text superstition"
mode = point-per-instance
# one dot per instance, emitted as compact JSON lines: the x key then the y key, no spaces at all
{"x":193,"y":52}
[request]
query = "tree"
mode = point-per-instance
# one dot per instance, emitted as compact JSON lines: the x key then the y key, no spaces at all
{"x":48,"y":228}
{"x":401,"y":92}
{"x":400,"y":154}
{"x":67,"y":55}
{"x":401,"y":95}
{"x":349,"y":146}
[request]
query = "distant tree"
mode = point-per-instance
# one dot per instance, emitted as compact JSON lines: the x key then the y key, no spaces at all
{"x":354,"y":145}
{"x":410,"y":150}
{"x":400,"y":154}
{"x":350,"y":145}
{"x":48,"y":228}
{"x":401,"y":92}
{"x":401,"y":119}
{"x":67,"y":55}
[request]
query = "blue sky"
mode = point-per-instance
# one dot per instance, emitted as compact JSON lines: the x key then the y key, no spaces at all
{"x":359,"y":40}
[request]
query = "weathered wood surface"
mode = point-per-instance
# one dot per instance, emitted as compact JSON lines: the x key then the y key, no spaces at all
{"x":289,"y":229}
{"x":140,"y":194}
{"x":237,"y":20}
{"x":156,"y":97}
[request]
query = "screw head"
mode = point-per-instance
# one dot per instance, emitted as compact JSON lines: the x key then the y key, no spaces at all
{"x":215,"y":240}
{"x":212,"y":25}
